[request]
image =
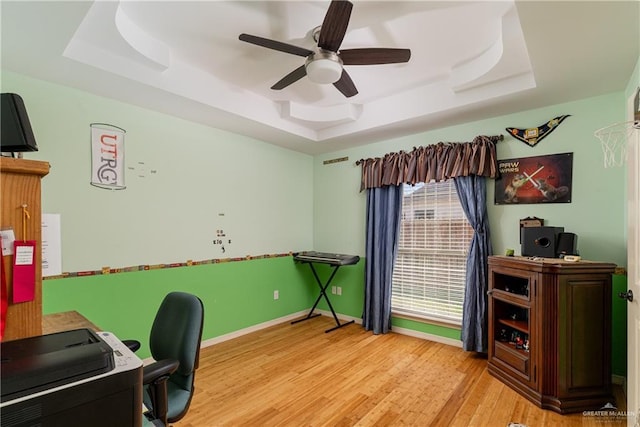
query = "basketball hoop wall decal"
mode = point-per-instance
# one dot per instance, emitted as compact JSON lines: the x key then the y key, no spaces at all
{"x":615,"y":138}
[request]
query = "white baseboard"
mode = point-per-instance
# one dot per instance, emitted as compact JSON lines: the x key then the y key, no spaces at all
{"x":428,"y":337}
{"x":403,"y":331}
{"x":618,"y":379}
{"x":250,"y":329}
{"x":293,"y":316}
{"x":358,"y":320}
{"x":621,"y":381}
{"x":340,"y":316}
{"x":245,"y":331}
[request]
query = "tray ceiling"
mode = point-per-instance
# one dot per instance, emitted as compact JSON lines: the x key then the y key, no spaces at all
{"x":470,"y":60}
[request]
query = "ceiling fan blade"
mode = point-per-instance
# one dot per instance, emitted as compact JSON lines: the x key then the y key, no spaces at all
{"x":290,"y":78}
{"x":345,"y":85}
{"x":275,"y":45}
{"x":373,"y":56}
{"x":334,"y":26}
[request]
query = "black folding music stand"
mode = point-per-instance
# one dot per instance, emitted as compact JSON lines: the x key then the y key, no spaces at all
{"x":336,"y":261}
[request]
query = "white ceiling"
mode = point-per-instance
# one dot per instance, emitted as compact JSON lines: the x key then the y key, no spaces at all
{"x":470,"y":61}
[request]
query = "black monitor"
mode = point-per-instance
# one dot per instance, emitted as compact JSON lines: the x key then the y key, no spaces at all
{"x":16,"y":134}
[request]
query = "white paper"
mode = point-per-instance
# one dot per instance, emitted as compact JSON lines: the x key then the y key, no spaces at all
{"x":51,"y":245}
{"x":8,"y":237}
{"x":24,"y":255}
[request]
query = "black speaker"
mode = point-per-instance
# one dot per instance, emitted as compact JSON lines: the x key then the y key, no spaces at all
{"x":567,"y":244}
{"x":16,"y":134}
{"x":540,"y":241}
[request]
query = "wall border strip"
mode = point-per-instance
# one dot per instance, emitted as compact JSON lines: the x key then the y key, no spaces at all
{"x":145,"y":267}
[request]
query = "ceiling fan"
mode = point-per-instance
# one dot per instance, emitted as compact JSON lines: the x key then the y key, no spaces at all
{"x":325,"y":64}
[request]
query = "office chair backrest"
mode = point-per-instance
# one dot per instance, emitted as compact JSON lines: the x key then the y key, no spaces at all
{"x":176,"y":334}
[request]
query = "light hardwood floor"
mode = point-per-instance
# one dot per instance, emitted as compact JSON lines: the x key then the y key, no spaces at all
{"x":297,"y":375}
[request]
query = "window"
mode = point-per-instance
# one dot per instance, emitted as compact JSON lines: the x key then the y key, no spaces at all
{"x":429,"y":274}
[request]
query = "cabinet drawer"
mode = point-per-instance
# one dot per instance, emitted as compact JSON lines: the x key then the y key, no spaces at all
{"x":512,"y":357}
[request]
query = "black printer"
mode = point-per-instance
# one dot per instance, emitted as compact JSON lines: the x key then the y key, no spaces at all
{"x":76,"y":377}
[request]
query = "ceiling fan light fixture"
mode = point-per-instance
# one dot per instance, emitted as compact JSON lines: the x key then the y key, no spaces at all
{"x":324,"y":67}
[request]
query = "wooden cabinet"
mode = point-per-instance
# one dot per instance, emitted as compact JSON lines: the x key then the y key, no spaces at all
{"x":550,"y":330}
{"x":20,"y":185}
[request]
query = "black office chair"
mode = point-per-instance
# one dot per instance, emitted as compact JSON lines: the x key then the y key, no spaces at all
{"x":175,"y":346}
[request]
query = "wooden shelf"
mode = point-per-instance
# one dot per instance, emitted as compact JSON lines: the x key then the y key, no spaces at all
{"x":519,"y":325}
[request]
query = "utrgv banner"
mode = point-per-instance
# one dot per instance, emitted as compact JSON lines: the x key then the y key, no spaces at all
{"x":107,"y":156}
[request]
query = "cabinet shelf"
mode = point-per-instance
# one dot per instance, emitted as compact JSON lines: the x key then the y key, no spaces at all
{"x":519,"y":325}
{"x":510,"y":348}
{"x":513,"y":298}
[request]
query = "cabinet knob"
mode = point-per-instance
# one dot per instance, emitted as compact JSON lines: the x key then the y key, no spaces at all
{"x":626,"y":295}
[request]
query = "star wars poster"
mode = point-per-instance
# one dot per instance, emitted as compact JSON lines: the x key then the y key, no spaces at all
{"x":539,"y":179}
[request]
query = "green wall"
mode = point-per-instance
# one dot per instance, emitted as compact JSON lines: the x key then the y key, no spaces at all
{"x":351,"y":301}
{"x":206,"y":179}
{"x":236,"y":295}
{"x":184,"y":182}
{"x":350,"y":279}
{"x":596,"y":213}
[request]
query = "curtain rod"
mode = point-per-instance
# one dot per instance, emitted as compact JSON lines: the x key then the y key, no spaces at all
{"x":493,"y":138}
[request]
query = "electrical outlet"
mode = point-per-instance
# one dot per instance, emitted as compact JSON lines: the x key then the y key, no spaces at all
{"x":333,"y":290}
{"x":276,"y":294}
{"x":339,"y":290}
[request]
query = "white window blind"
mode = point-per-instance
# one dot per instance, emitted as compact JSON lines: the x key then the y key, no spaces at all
{"x":429,"y":274}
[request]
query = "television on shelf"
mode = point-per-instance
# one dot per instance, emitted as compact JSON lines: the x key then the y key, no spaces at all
{"x":16,"y":134}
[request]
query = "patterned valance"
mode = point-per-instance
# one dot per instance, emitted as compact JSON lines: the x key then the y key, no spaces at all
{"x":437,"y":162}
